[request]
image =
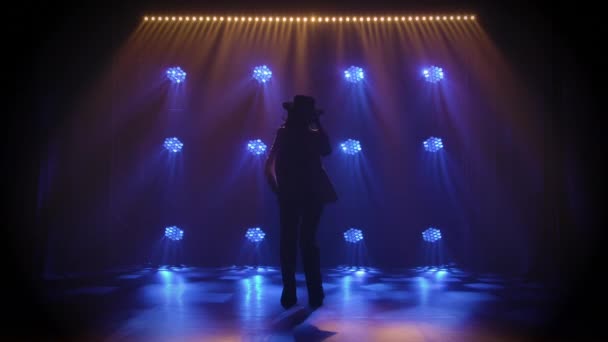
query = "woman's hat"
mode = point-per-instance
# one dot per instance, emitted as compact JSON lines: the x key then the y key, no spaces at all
{"x":302,"y":103}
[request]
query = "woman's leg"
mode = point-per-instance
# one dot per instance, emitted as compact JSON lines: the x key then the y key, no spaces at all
{"x":289,"y":217}
{"x":311,"y":216}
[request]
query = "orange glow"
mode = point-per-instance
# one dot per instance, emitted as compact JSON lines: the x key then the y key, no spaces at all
{"x":317,"y":18}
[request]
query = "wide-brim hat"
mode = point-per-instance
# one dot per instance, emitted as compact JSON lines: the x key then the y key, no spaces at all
{"x":302,"y":103}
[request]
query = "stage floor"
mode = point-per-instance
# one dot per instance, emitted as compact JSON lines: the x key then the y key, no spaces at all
{"x":242,"y":304}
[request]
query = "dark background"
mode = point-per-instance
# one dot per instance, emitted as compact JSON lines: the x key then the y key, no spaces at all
{"x":61,"y":50}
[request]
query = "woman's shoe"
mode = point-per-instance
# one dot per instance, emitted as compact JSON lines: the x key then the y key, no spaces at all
{"x":288,"y":297}
{"x":315,"y":299}
{"x":315,"y":303}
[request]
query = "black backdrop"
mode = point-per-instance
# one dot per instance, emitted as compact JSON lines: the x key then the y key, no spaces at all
{"x":113,"y":189}
{"x":65,"y":51}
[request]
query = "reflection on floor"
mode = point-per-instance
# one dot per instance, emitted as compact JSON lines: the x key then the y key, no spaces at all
{"x":242,"y":304}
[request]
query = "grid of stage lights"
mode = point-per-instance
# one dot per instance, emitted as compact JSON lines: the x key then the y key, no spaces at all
{"x":174,"y":233}
{"x":173,"y":144}
{"x":353,"y":235}
{"x":433,"y":74}
{"x":262,"y":73}
{"x":351,"y":146}
{"x":312,"y":19}
{"x":433,"y":144}
{"x":354,"y":74}
{"x":431,"y":235}
{"x":176,"y":75}
{"x":255,"y":234}
{"x":256,"y":147}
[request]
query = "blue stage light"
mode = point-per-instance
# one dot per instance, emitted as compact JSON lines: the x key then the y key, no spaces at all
{"x":176,"y":75}
{"x":173,"y":144}
{"x":433,"y":74}
{"x":353,"y":235}
{"x":433,"y":144}
{"x":262,"y":73}
{"x":354,"y":74}
{"x":255,"y":234}
{"x":256,"y":147}
{"x":431,"y":234}
{"x":351,"y":146}
{"x":174,"y":233}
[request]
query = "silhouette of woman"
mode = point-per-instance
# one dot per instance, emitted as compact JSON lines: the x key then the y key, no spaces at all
{"x":296,"y":174}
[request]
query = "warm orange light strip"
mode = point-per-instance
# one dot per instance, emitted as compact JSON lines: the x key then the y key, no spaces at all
{"x":314,"y":19}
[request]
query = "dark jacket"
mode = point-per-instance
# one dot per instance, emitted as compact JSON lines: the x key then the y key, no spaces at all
{"x":294,"y":168}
